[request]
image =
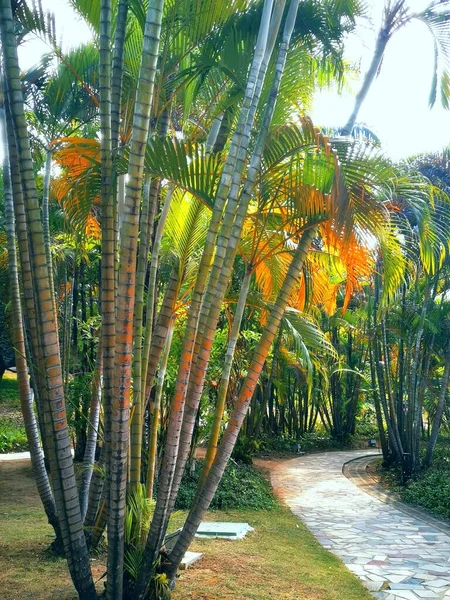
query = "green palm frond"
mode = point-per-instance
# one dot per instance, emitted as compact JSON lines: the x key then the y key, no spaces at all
{"x":185,"y":229}
{"x":186,"y":165}
{"x":308,"y":339}
{"x":138,"y":514}
{"x":437,"y":18}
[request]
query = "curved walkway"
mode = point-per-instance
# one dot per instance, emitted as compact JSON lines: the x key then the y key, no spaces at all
{"x":398,"y":556}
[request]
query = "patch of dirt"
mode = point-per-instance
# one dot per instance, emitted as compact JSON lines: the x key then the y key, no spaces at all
{"x":17,"y":483}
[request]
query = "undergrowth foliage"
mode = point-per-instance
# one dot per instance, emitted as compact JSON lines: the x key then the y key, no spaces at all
{"x":242,"y":486}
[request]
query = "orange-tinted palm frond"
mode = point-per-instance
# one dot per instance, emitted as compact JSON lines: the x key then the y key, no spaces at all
{"x":77,"y":189}
{"x":354,"y":255}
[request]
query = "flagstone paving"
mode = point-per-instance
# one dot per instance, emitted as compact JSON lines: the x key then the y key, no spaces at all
{"x":398,"y":556}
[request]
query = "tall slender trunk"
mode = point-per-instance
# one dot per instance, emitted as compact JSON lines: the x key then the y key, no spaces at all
{"x":45,"y":213}
{"x":378,"y":412}
{"x":241,"y":405}
{"x":25,"y":391}
{"x":117,"y":72}
{"x":414,"y":409}
{"x":226,"y":373}
{"x":63,"y":476}
{"x":108,"y":262}
{"x":231,"y":232}
{"x":369,"y":78}
{"x":439,"y":410}
{"x":92,"y":432}
{"x":155,"y":416}
{"x":137,"y":421}
{"x":160,"y":332}
{"x":125,"y":301}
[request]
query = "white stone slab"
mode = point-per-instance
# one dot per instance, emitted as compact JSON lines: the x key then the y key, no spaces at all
{"x":229,"y":531}
{"x":189,"y":559}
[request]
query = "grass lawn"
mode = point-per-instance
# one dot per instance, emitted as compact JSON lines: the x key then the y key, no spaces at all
{"x":279,"y":561}
{"x":9,"y":393}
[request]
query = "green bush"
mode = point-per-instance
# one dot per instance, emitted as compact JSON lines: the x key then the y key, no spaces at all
{"x":242,"y":486}
{"x":12,"y":437}
{"x":430,"y":491}
{"x":306,"y":443}
{"x":431,"y":488}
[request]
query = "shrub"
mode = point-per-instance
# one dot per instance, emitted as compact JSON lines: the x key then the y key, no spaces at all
{"x":305,"y":443}
{"x":431,"y":491}
{"x":242,"y":486}
{"x":12,"y":437}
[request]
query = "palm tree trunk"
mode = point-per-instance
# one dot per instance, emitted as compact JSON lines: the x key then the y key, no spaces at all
{"x":117,"y":72}
{"x":137,"y":421}
{"x":369,"y":78}
{"x":92,"y":432}
{"x":63,"y":476}
{"x":378,"y":412}
{"x":125,"y":301}
{"x":242,"y":403}
{"x":25,"y":392}
{"x":33,"y":354}
{"x":229,"y":239}
{"x":161,"y":331}
{"x":45,"y":212}
{"x":108,"y":260}
{"x":225,"y":378}
{"x":153,"y":434}
{"x":439,"y":411}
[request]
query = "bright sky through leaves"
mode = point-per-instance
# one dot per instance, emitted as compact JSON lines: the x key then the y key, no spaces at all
{"x":396,"y":108}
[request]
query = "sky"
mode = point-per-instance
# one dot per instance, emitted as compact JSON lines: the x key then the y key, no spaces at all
{"x":396,"y":109}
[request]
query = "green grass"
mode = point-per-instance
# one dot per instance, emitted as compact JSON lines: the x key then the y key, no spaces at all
{"x":9,"y":392}
{"x":280,"y":560}
{"x":12,"y":431}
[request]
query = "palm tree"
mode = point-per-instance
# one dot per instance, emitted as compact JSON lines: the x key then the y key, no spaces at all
{"x":61,"y":464}
{"x":396,"y":15}
{"x":25,"y":391}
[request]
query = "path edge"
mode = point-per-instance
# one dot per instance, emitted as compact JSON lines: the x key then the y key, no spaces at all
{"x":361,"y":479}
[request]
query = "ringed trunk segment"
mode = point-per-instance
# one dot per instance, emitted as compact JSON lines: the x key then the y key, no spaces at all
{"x":92,"y":433}
{"x":25,"y":391}
{"x":34,"y":359}
{"x":65,"y":488}
{"x":440,"y":409}
{"x":148,"y":333}
{"x":137,"y":421}
{"x":224,"y":259}
{"x":108,"y":258}
{"x":142,"y":339}
{"x":125,"y":301}
{"x":117,"y":72}
{"x":230,"y":435}
{"x":225,"y":379}
{"x":160,"y":333}
{"x":159,"y":521}
{"x":382,"y":40}
{"x":155,"y":415}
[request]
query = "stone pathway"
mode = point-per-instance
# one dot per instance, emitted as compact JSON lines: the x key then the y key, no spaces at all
{"x":397,"y":555}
